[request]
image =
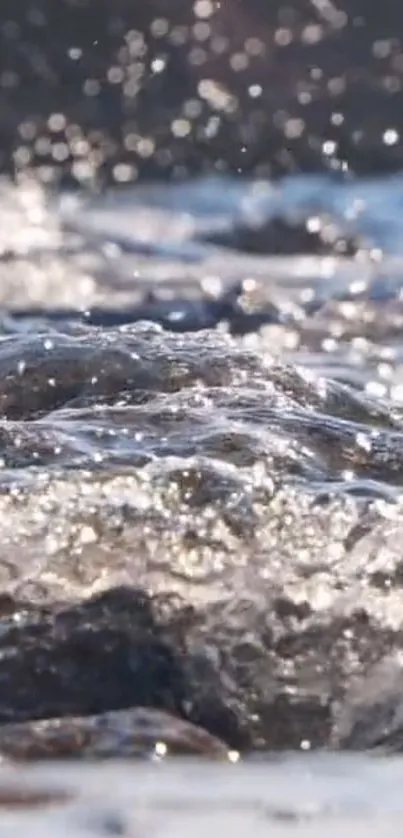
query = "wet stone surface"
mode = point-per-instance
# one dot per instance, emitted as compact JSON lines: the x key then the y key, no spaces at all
{"x":137,"y":732}
{"x":202,"y":571}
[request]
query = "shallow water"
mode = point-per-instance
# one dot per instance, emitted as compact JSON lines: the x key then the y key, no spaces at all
{"x":201,"y":443}
{"x":291,"y":796}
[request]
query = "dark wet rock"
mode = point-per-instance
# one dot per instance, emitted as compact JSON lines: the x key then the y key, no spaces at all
{"x":135,"y":732}
{"x":40,"y":374}
{"x":60,"y":671}
{"x":282,"y":236}
{"x":87,"y":394}
{"x":175,"y":315}
{"x":117,"y":632}
{"x":19,"y":796}
{"x":371,"y":715}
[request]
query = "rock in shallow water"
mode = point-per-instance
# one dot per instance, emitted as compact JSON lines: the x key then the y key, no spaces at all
{"x":250,"y":631}
{"x":225,"y":577}
{"x":371,"y":717}
{"x":135,"y":732}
